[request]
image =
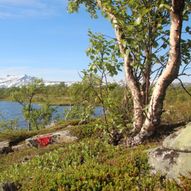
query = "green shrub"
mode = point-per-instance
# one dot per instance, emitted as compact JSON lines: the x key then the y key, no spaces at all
{"x":88,"y":165}
{"x":177,"y":105}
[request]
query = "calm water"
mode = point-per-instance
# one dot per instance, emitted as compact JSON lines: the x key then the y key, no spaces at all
{"x":13,"y":110}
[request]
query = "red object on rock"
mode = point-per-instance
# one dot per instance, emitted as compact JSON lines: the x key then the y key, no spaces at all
{"x":44,"y":141}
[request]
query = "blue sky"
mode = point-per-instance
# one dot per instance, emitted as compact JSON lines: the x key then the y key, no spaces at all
{"x":40,"y":38}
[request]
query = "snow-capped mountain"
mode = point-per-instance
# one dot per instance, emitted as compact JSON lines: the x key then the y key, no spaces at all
{"x":18,"y":81}
{"x":15,"y":81}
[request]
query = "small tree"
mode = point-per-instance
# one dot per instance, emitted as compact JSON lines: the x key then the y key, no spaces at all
{"x":8,"y":124}
{"x":25,"y":95}
{"x":83,"y":100}
{"x":105,"y":64}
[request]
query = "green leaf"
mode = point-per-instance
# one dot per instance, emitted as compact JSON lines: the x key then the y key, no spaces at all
{"x":188,"y":29}
{"x":138,"y":21}
{"x":162,"y":6}
{"x":128,"y":51}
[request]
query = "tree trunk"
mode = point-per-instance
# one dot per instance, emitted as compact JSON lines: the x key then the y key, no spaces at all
{"x":131,"y":80}
{"x":136,"y":95}
{"x":30,"y":114}
{"x":145,"y":87}
{"x":29,"y":125}
{"x":169,"y":74}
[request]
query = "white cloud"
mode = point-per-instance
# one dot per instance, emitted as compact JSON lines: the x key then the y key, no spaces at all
{"x":30,"y":8}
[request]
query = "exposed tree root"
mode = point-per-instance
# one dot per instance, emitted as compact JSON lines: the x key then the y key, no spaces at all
{"x":160,"y":133}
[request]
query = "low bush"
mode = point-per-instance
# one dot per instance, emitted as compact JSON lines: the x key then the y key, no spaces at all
{"x":87,"y":165}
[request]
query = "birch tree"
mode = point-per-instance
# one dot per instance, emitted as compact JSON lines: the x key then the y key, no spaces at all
{"x":147,"y":47}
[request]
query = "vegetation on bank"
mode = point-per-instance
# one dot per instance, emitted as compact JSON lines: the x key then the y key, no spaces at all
{"x":177,"y":105}
{"x":54,"y":94}
{"x":91,"y":163}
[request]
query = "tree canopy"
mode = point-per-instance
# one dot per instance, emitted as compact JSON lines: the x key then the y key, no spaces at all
{"x":149,"y":38}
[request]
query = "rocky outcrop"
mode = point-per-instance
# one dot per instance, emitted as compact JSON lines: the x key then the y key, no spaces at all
{"x":180,"y":140}
{"x":38,"y":141}
{"x":19,"y":147}
{"x":173,"y":158}
{"x":5,"y":147}
{"x":9,"y":186}
{"x":51,"y":138}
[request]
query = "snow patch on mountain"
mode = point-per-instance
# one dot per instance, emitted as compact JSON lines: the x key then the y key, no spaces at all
{"x":15,"y":81}
{"x":18,"y":81}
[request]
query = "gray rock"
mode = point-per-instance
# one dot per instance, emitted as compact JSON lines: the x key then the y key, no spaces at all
{"x":31,"y":142}
{"x":173,"y":158}
{"x":63,"y":137}
{"x":56,"y":137}
{"x":9,"y":186}
{"x":4,"y":144}
{"x":180,"y":140}
{"x":1,"y":187}
{"x":170,"y":163}
{"x":19,"y":147}
{"x":5,"y":147}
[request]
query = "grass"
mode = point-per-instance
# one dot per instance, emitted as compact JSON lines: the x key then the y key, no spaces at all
{"x":177,"y":105}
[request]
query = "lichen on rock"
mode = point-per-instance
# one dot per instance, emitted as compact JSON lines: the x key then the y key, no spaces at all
{"x":173,"y":158}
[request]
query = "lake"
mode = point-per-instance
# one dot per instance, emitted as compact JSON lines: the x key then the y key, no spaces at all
{"x":13,"y":110}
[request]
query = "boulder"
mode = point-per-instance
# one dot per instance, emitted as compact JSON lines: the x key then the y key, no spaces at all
{"x":180,"y":140}
{"x":38,"y":141}
{"x":9,"y":186}
{"x":173,"y":158}
{"x":63,"y":137}
{"x":51,"y":138}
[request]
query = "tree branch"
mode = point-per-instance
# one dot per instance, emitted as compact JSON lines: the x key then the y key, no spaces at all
{"x":184,"y":88}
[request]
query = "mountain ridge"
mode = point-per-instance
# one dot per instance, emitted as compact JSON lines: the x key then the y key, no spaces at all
{"x":17,"y":81}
